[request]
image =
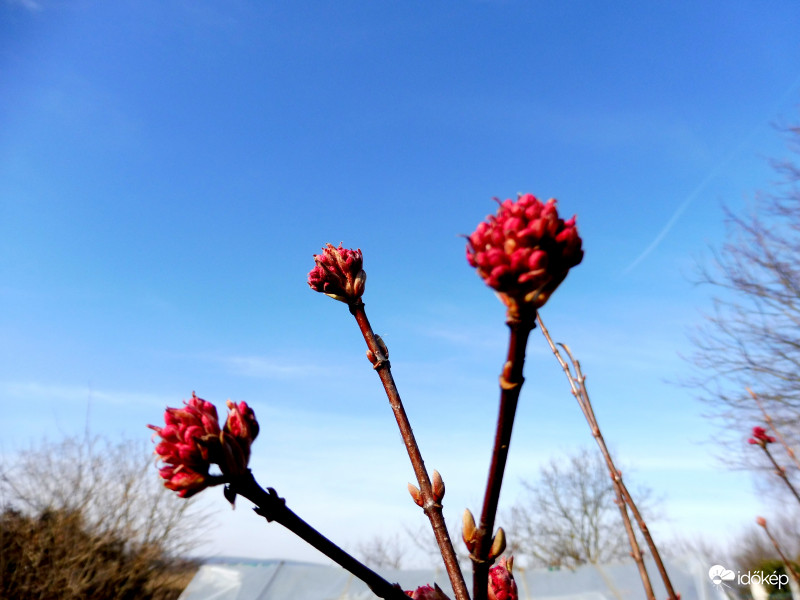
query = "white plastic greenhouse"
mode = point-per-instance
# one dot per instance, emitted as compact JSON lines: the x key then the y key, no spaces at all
{"x":281,"y":580}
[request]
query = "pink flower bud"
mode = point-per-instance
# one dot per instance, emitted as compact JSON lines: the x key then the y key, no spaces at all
{"x":762,"y":522}
{"x":760,"y":437}
{"x":184,"y":445}
{"x":525,"y":251}
{"x":191,"y":441}
{"x":186,"y":482}
{"x":338,"y":273}
{"x":426,"y":592}
{"x":501,"y":582}
{"x":241,"y":428}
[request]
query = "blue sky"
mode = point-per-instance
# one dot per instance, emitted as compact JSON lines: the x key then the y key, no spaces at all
{"x":167,"y":170}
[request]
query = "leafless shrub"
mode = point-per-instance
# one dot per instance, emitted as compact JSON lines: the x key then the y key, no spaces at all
{"x":86,"y":518}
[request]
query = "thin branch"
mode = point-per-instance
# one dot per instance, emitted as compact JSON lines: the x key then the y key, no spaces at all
{"x":379,"y":356}
{"x":578,"y":384}
{"x":768,"y":419}
{"x":273,"y":508}
{"x":511,"y":381}
{"x":791,"y":570}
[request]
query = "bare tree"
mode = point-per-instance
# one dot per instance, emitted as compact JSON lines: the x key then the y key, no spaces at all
{"x":415,"y":548}
{"x":752,"y":336}
{"x":569,"y":516}
{"x":382,"y":552}
{"x":86,"y":517}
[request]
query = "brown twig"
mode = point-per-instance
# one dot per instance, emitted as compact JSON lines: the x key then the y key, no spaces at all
{"x":378,"y":355}
{"x":273,"y":508}
{"x":578,"y":384}
{"x":780,"y":471}
{"x":768,"y":419}
{"x":511,"y":380}
{"x":792,"y":572}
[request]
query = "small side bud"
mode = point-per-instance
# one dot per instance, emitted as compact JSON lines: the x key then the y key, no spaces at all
{"x":438,"y":487}
{"x":382,"y":346}
{"x":498,"y":545}
{"x":379,"y":358}
{"x":469,"y":532}
{"x":505,"y":382}
{"x":360,"y":283}
{"x":415,"y":494}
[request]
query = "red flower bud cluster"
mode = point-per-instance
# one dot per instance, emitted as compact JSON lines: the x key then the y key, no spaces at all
{"x":525,"y":251}
{"x":501,"y":582}
{"x":760,"y":437}
{"x":426,"y":592}
{"x":338,"y":273}
{"x":192,"y":440}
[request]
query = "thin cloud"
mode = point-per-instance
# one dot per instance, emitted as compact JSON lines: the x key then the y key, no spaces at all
{"x":462,"y":337}
{"x":259,"y":366}
{"x":29,"y":5}
{"x":267,"y":367}
{"x":31,"y":391}
{"x":716,"y":171}
{"x":694,"y":462}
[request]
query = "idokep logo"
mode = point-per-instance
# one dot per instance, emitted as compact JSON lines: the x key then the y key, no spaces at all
{"x":719,"y":575}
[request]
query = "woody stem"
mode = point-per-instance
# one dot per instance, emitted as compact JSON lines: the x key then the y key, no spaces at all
{"x":432,"y":508}
{"x":273,"y":508}
{"x":511,"y":380}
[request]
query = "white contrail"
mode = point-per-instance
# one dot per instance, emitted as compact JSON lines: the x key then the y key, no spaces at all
{"x":706,"y":180}
{"x":684,"y":205}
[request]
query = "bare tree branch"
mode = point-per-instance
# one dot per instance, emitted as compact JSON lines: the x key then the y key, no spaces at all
{"x":568,"y":516}
{"x":751,"y":338}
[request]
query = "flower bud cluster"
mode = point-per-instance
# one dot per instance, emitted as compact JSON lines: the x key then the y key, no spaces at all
{"x":338,"y":273}
{"x":192,"y":440}
{"x":501,"y":582}
{"x":525,"y":251}
{"x":426,"y":592}
{"x":760,"y":437}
